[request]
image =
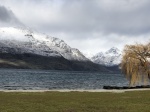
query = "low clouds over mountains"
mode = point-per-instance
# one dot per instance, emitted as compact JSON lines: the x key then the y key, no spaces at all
{"x":7,"y":18}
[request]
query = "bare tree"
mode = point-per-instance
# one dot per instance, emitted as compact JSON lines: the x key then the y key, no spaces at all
{"x":136,"y":63}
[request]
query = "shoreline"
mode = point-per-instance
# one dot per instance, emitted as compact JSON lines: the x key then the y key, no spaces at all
{"x":78,"y":90}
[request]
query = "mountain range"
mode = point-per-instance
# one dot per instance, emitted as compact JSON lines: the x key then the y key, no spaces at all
{"x":22,"y":48}
{"x":26,"y":41}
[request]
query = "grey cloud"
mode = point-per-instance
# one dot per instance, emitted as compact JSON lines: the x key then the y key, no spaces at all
{"x":123,"y":17}
{"x":7,"y":18}
{"x":87,"y":15}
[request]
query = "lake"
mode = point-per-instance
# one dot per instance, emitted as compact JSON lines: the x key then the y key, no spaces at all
{"x":22,"y":79}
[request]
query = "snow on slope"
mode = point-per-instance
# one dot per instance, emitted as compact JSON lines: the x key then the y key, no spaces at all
{"x":109,"y":58}
{"x":26,"y":41}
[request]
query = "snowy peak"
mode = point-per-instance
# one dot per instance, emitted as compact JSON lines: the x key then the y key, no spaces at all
{"x":27,"y":41}
{"x":109,"y":58}
{"x":113,"y":51}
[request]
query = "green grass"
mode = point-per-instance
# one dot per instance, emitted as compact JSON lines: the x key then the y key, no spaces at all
{"x":75,"y":102}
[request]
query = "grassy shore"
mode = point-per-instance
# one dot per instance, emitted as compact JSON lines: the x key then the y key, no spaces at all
{"x":133,"y":101}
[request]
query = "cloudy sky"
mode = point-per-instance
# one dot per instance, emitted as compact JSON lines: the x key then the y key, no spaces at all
{"x":89,"y":25}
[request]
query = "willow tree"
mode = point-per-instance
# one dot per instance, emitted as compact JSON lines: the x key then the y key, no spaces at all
{"x":136,"y":63}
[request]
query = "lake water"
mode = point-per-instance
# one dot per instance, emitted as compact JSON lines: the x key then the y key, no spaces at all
{"x":13,"y":79}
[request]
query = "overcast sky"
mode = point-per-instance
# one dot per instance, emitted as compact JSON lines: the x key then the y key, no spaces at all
{"x":89,"y":25}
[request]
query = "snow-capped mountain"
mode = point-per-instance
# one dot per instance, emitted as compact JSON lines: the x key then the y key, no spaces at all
{"x":17,"y":40}
{"x":109,"y":58}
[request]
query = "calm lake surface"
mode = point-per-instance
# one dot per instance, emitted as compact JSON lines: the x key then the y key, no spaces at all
{"x":14,"y":79}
